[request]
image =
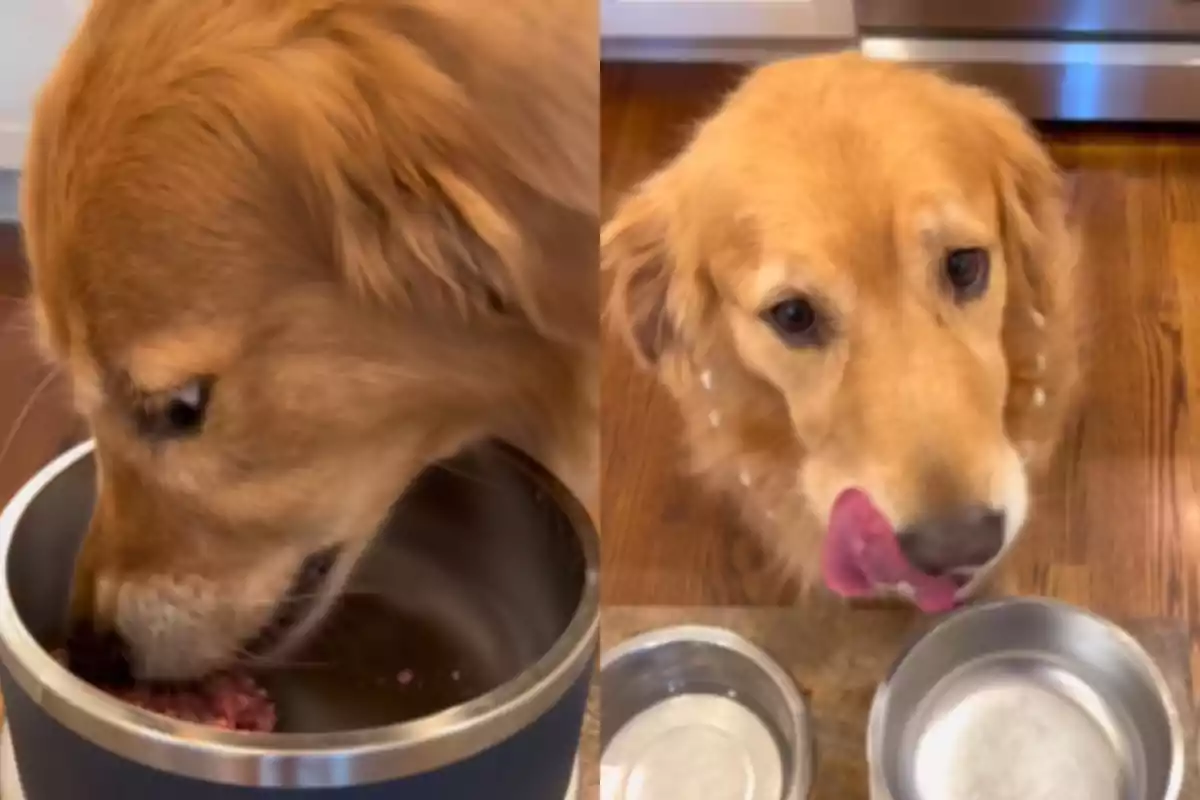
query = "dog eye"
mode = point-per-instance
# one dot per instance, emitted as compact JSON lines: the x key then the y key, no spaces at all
{"x":795,"y":320}
{"x":179,"y":412}
{"x":967,"y":272}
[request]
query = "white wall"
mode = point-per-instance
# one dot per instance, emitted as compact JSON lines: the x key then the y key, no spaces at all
{"x":32,"y":35}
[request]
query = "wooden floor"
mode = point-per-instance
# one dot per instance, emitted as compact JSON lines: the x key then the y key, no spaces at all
{"x":1117,"y":527}
{"x":35,"y":418}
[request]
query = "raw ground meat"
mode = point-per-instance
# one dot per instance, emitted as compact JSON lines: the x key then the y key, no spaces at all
{"x":231,"y":700}
{"x":234,"y":701}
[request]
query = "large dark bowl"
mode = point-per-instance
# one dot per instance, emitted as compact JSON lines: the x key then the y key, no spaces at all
{"x":487,"y":561}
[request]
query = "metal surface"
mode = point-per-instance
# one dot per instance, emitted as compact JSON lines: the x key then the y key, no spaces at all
{"x":573,"y":789}
{"x":768,"y":730}
{"x":1047,"y":80}
{"x":1044,"y":18}
{"x":1025,"y":696}
{"x":715,"y":49}
{"x":10,"y":778}
{"x":542,"y":590}
{"x":697,"y":19}
{"x":1066,"y":81}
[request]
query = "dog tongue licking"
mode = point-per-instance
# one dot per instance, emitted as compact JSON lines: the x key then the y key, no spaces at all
{"x":862,"y":555}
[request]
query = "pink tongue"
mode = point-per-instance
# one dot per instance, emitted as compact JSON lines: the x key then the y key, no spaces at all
{"x":861,"y":555}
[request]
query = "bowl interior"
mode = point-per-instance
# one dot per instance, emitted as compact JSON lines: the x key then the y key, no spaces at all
{"x":474,"y":578}
{"x":663,"y":667}
{"x":1088,"y":667}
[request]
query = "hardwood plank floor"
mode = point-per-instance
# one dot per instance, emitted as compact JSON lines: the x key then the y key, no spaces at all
{"x":36,"y":421}
{"x":1117,"y":525}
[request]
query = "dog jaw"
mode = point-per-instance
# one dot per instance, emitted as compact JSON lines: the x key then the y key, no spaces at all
{"x":179,"y":628}
{"x":753,"y":459}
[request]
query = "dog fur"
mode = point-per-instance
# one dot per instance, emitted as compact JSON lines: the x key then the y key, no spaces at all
{"x":368,"y":225}
{"x":847,"y":180}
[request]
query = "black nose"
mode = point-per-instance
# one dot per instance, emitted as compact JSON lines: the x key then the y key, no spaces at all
{"x":963,"y":539}
{"x":100,"y":658}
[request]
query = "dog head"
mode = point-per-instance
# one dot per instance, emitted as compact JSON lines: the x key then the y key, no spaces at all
{"x":857,"y":279}
{"x":290,"y":259}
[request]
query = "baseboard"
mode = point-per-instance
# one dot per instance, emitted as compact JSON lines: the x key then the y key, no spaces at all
{"x":8,"y":195}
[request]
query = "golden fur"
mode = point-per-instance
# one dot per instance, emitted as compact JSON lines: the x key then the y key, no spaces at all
{"x":848,"y":179}
{"x":370,"y":223}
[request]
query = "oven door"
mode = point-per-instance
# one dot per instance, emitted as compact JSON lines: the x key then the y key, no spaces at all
{"x":1093,"y":19}
{"x":1056,"y":60}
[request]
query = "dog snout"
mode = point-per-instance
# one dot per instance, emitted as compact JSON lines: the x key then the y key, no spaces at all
{"x":955,"y":542}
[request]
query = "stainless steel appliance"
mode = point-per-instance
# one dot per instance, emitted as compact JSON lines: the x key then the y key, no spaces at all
{"x":1076,"y":60}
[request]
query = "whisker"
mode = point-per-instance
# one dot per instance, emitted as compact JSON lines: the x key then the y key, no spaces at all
{"x":25,"y":411}
{"x":258,"y":661}
{"x":25,"y":352}
{"x":22,"y":322}
{"x":17,"y":359}
{"x":312,"y":595}
{"x":484,"y":481}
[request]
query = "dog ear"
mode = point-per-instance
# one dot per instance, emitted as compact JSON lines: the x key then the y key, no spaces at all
{"x":429,"y":236}
{"x":1041,"y":251}
{"x":487,"y":243}
{"x":426,"y":201}
{"x":1040,"y":245}
{"x":635,"y":249}
{"x":660,"y":247}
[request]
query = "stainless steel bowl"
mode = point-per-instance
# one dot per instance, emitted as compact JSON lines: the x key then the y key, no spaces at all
{"x":751,"y":719}
{"x":488,"y":551}
{"x":1025,"y":698}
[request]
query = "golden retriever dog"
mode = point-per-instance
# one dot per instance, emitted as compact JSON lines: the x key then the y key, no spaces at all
{"x":292,"y":252}
{"x":858,"y":282}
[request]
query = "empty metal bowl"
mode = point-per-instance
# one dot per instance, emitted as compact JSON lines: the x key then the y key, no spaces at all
{"x":1028,"y":699}
{"x":699,"y":712}
{"x":483,"y":586}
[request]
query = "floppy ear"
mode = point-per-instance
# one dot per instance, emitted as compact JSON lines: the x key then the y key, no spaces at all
{"x":657,"y":247}
{"x":488,"y":243}
{"x":427,"y":234}
{"x":424,"y":200}
{"x":634,"y":248}
{"x":1041,"y":250}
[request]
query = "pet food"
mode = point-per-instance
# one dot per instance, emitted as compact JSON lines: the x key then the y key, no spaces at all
{"x":234,"y":701}
{"x":231,"y":700}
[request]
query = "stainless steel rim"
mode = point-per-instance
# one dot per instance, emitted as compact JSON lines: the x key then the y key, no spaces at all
{"x":296,"y":760}
{"x":803,"y":770}
{"x":879,"y":703}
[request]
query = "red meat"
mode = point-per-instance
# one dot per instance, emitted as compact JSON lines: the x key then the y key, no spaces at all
{"x":231,"y":700}
{"x":234,"y":701}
